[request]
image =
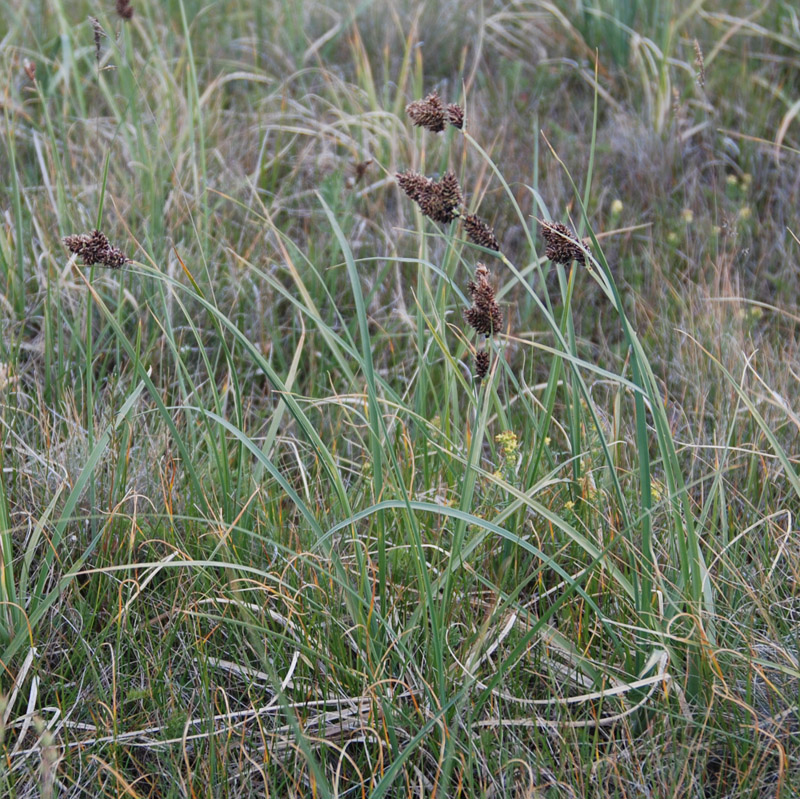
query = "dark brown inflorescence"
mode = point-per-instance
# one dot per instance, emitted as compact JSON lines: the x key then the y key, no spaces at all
{"x":124,"y":9}
{"x":563,"y":246}
{"x":480,"y":233}
{"x":432,"y":114}
{"x":481,"y":364}
{"x":450,"y":190}
{"x":438,"y":200}
{"x":455,"y":115}
{"x":94,"y":248}
{"x":98,"y":35}
{"x":484,"y":315}
{"x":428,"y":113}
{"x":413,"y":184}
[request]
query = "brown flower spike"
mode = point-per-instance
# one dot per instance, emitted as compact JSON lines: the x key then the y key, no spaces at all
{"x":124,"y":9}
{"x":485,"y":315}
{"x":563,"y":246}
{"x":428,"y":113}
{"x":413,"y":184}
{"x":455,"y":115}
{"x":95,"y":248}
{"x":432,"y":114}
{"x":481,"y":364}
{"x":480,"y":233}
{"x":438,"y":200}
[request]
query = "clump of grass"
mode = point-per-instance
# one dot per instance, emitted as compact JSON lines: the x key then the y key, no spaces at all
{"x":266,"y":538}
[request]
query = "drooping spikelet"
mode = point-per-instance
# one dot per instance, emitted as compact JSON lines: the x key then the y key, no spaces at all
{"x":455,"y":115}
{"x":413,"y":184}
{"x":484,"y":315}
{"x":428,"y":113}
{"x":563,"y":246}
{"x":480,"y":233}
{"x":95,"y":248}
{"x":481,"y":364}
{"x":124,"y":9}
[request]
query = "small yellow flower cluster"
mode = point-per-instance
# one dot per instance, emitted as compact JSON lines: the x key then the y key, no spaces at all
{"x":508,"y":441}
{"x":509,"y":444}
{"x":658,"y":491}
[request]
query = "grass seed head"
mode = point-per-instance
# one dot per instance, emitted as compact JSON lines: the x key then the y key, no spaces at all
{"x":455,"y":115}
{"x":480,"y":233}
{"x":451,"y":191}
{"x":700,"y":63}
{"x":484,"y":316}
{"x":440,"y":200}
{"x":95,"y":248}
{"x":124,"y":9}
{"x":563,"y":246}
{"x":428,"y":113}
{"x":98,"y":35}
{"x":413,"y":184}
{"x":481,"y":364}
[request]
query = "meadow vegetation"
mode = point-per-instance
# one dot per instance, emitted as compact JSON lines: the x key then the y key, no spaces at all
{"x":352,"y":451}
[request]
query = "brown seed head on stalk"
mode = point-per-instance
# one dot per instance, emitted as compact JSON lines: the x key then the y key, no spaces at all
{"x":413,"y":184}
{"x":451,"y":191}
{"x":95,"y":248}
{"x":428,"y":113}
{"x":700,"y":63}
{"x":563,"y":246}
{"x":480,"y":233}
{"x":98,"y":35}
{"x":124,"y":9}
{"x":481,"y":364}
{"x":455,"y":115}
{"x":440,"y":200}
{"x":484,"y":315}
